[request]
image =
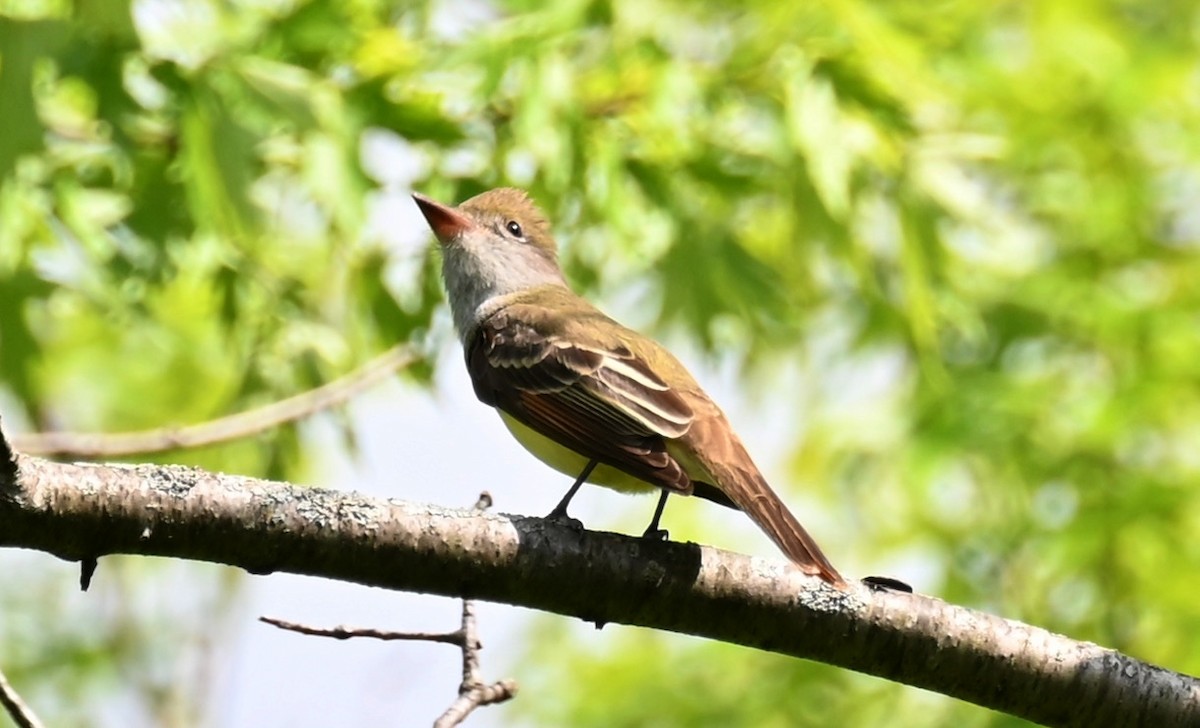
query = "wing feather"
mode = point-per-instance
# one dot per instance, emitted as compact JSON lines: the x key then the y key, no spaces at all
{"x":601,"y":401}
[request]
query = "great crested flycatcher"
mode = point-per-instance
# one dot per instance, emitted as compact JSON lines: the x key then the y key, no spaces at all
{"x":586,"y":395}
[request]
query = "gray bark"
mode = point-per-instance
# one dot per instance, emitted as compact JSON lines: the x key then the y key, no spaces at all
{"x":86,"y":511}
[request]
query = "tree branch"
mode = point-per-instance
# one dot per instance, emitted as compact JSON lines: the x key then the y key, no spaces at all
{"x":342,"y":632}
{"x":81,"y":510}
{"x":473,"y":692}
{"x":16,"y":708}
{"x":242,"y":424}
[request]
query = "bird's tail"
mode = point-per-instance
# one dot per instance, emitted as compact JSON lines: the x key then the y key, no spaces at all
{"x":734,"y":473}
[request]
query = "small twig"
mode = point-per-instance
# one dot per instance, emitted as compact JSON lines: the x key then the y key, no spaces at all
{"x":497,"y":692}
{"x":484,"y":502}
{"x":223,"y":429}
{"x":87,"y":569}
{"x":345,"y":633}
{"x":472,"y":693}
{"x":16,"y":708}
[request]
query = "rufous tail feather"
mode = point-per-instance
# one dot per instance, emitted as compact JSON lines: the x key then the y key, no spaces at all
{"x":720,"y":452}
{"x":751,"y":493}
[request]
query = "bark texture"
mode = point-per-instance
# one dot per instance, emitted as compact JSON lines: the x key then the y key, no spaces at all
{"x":86,"y":511}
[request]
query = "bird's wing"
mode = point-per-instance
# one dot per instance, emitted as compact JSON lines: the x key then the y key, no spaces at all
{"x":590,"y":393}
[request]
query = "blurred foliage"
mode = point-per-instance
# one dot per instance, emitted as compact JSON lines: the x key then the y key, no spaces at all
{"x":974,"y":227}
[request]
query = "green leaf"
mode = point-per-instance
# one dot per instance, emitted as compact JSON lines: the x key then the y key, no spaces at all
{"x":20,"y":349}
{"x":414,"y":114}
{"x":22,"y":44}
{"x":218,"y":162}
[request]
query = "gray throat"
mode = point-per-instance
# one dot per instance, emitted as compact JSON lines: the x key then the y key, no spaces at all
{"x":478,"y":285}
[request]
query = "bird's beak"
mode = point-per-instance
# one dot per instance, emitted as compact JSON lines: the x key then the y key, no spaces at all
{"x":447,"y":223}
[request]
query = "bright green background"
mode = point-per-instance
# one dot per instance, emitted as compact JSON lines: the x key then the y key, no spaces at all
{"x":971,"y":227}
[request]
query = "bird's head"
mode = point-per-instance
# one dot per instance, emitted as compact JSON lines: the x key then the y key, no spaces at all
{"x":494,"y":245}
{"x":503,"y":218}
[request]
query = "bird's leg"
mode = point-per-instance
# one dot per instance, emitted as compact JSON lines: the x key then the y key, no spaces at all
{"x":653,"y":532}
{"x":560,"y":511}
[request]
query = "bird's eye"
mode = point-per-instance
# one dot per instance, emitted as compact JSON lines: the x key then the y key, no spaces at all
{"x":513,"y":228}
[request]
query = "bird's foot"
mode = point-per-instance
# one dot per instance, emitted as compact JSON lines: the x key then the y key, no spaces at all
{"x":561,"y":518}
{"x":656,"y":534}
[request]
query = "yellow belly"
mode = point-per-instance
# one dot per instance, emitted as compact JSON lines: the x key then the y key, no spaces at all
{"x":571,"y":463}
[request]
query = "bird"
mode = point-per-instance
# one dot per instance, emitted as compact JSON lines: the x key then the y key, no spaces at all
{"x":588,"y":396}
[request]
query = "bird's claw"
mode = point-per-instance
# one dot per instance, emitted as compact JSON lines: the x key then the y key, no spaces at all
{"x":562,"y":519}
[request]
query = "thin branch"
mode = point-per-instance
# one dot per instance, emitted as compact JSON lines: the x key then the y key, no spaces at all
{"x":223,"y":429}
{"x":472,"y":676}
{"x":79,"y":510}
{"x":16,"y":708}
{"x":345,"y":633}
{"x":478,"y":696}
{"x":472,"y":693}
